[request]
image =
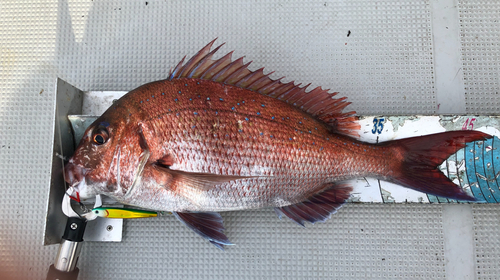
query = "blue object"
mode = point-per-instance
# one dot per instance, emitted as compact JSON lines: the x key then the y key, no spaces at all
{"x":474,"y":158}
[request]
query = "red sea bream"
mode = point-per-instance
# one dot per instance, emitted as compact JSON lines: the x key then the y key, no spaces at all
{"x":215,"y":136}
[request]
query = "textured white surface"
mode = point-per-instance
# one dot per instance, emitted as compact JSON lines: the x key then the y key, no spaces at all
{"x":486,"y":241}
{"x":385,"y":66}
{"x":480,"y":38}
{"x":355,"y":244}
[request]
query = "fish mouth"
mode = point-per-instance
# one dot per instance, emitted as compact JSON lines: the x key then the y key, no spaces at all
{"x":74,"y":174}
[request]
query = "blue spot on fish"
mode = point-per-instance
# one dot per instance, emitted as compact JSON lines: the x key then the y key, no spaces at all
{"x":246,"y":119}
{"x":310,"y":131}
{"x":290,"y":139}
{"x":208,"y":98}
{"x":261,"y":133}
{"x":140,"y":102}
{"x":162,"y":93}
{"x":179,"y":91}
{"x":263,"y":105}
{"x":216,"y":112}
{"x":106,"y":124}
{"x":185,"y":84}
{"x":221,"y":99}
{"x":190,"y":99}
{"x":272,"y":118}
{"x":238,"y":104}
{"x":232,"y":108}
{"x":243,"y":102}
{"x":147,"y":99}
{"x":271,"y":136}
{"x":300,"y":122}
{"x":241,"y":130}
{"x":153,"y":96}
{"x":195,"y":113}
{"x":258,"y":113}
{"x":174,"y":100}
{"x":194,"y":126}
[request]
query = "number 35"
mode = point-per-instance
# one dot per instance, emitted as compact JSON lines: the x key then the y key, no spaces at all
{"x":378,"y":125}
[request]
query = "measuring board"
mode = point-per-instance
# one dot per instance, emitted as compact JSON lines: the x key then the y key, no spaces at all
{"x":475,"y":168}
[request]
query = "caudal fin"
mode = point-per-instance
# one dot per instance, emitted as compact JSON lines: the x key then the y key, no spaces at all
{"x":423,"y":155}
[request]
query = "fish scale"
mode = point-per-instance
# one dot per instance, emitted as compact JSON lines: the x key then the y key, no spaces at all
{"x":303,"y":155}
{"x":216,"y":136}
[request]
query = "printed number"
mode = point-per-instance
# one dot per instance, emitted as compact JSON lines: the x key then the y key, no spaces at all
{"x":469,"y":124}
{"x":378,"y":125}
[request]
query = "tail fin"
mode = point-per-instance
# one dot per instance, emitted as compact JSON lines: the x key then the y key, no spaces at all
{"x":422,"y":156}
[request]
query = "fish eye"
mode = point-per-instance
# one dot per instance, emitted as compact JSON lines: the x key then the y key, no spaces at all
{"x":100,"y":136}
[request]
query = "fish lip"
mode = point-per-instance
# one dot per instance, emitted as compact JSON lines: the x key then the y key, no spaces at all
{"x":74,"y":174}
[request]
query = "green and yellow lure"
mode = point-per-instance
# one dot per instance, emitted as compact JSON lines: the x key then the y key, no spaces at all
{"x":122,"y":213}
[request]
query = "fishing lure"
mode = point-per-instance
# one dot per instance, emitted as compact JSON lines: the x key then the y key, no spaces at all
{"x":122,"y":213}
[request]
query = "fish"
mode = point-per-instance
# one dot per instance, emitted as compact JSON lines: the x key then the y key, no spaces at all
{"x":215,"y":136}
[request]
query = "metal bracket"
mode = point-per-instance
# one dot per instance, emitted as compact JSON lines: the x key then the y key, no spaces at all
{"x":69,"y":101}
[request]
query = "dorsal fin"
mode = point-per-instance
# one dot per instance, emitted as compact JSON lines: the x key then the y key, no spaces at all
{"x":317,"y":102}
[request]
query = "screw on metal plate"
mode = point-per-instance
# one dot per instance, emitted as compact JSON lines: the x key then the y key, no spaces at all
{"x":74,"y":226}
{"x":109,"y":228}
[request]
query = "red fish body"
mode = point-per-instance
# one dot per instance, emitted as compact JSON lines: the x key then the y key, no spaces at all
{"x":218,"y":137}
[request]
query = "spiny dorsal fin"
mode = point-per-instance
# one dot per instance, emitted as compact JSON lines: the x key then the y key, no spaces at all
{"x":317,"y":102}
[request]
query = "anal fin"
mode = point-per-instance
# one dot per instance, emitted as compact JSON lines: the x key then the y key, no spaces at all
{"x":319,"y":207}
{"x":208,"y":225}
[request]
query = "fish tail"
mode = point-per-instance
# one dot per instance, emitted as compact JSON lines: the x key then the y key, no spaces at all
{"x":422,"y":156}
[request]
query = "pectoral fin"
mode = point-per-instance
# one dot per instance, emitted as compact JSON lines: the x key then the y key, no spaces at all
{"x":199,"y":181}
{"x":319,"y":207}
{"x":208,"y":225}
